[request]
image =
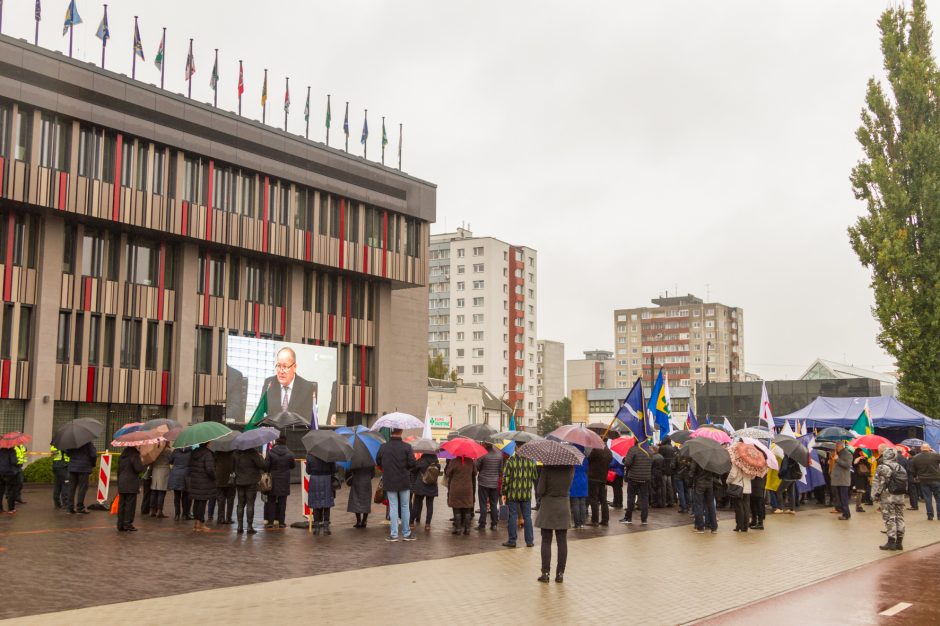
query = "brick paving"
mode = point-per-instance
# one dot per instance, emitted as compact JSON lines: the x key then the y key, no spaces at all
{"x":356,"y":578}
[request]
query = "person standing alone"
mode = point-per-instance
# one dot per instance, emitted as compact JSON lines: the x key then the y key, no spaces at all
{"x":130,"y":467}
{"x":889,"y":488}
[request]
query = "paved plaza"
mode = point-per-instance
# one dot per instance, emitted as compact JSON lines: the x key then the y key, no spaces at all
{"x":659,"y":574}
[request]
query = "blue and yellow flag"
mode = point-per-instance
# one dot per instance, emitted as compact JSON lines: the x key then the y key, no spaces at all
{"x":633,"y":416}
{"x":71,"y":17}
{"x":659,"y":405}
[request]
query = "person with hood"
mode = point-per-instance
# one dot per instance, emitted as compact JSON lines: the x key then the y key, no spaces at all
{"x":359,"y":481}
{"x":424,"y":488}
{"x":552,"y":491}
{"x":130,"y":467}
{"x":577,"y":495}
{"x":248,"y":465}
{"x":638,"y":468}
{"x":889,"y":488}
{"x":159,"y":481}
{"x":840,"y":473}
{"x":489,"y":469}
{"x":201,"y":484}
{"x":179,"y":460}
{"x":598,"y":465}
{"x":279,"y":463}
{"x":459,"y":474}
{"x":668,"y":452}
{"x":397,"y":459}
{"x":81,"y":465}
{"x":8,"y":465}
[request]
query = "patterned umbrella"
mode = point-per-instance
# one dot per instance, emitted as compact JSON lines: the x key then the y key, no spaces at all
{"x":548,"y":452}
{"x":754,"y":433}
{"x":137,"y":438}
{"x":769,"y":456}
{"x":398,"y":421}
{"x":748,"y":459}
{"x":715,"y":434}
{"x":578,"y":434}
{"x":462,"y":446}
{"x":255,"y":438}
{"x":11,"y":440}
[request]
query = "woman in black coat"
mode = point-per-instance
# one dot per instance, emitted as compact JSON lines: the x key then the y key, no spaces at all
{"x":201,"y":484}
{"x":129,"y":469}
{"x":359,"y":481}
{"x":279,"y":463}
{"x":248,"y":466}
{"x":321,"y":495}
{"x":422,"y":490}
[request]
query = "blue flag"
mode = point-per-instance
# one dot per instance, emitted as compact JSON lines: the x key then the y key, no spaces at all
{"x":632,"y":414}
{"x":690,"y":422}
{"x":512,"y":421}
{"x":365,"y":131}
{"x":314,"y":420}
{"x":659,"y":405}
{"x":812,"y":475}
{"x":71,"y":17}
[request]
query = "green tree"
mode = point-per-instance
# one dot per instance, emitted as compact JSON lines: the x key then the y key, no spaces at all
{"x":557,"y":414}
{"x":899,"y":180}
{"x":437,"y":369}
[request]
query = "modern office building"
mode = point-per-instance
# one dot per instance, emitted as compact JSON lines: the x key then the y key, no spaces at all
{"x":683,"y":335}
{"x":140,"y":229}
{"x":597,"y":370}
{"x":483,"y":315}
{"x":551,"y":374}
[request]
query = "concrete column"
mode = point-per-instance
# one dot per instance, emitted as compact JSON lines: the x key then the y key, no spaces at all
{"x":295,"y":304}
{"x":184,"y":337}
{"x":401,"y":350}
{"x":46,"y":316}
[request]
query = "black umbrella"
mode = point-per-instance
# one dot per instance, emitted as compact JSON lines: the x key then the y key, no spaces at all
{"x":223,"y":444}
{"x":328,"y":446}
{"x":834,"y":433}
{"x":519,"y":436}
{"x":793,"y":449}
{"x":477,"y":432}
{"x":361,"y":455}
{"x":680,"y":436}
{"x":709,"y":455}
{"x":77,"y":433}
{"x":285,"y":419}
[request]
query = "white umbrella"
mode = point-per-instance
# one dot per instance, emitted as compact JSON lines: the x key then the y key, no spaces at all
{"x":398,"y":421}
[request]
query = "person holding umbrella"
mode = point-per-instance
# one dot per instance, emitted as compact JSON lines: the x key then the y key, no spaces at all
{"x":81,"y":464}
{"x":638,"y":468}
{"x":60,"y":473}
{"x":248,"y":467}
{"x":489,"y":468}
{"x":321,"y":496}
{"x":159,"y":481}
{"x":424,"y":485}
{"x":8,"y":466}
{"x":519,"y":476}
{"x":396,"y":458}
{"x":201,"y":484}
{"x":179,"y":460}
{"x":279,"y":463}
{"x":459,"y":475}
{"x":129,"y":469}
{"x":840,"y":473}
{"x":224,"y":458}
{"x":861,"y":478}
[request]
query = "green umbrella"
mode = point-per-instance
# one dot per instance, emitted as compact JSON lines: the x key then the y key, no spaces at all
{"x":203,"y":432}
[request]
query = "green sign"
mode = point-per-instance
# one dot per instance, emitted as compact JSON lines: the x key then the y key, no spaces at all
{"x":442,"y":422}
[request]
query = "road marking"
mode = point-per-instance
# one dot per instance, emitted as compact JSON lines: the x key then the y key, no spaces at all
{"x":897,"y":608}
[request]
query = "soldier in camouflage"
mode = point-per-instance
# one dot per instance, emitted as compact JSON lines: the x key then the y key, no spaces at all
{"x":892,"y":504}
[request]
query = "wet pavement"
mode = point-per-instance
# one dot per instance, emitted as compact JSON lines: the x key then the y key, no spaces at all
{"x":80,"y":559}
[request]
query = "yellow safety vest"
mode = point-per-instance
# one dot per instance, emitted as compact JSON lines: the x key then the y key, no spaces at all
{"x":20,"y":455}
{"x":58,"y":455}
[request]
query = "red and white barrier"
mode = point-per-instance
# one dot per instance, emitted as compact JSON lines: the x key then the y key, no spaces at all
{"x":104,"y":477}
{"x":305,"y":481}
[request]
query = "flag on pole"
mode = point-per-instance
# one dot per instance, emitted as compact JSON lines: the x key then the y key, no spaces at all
{"x":241,"y":80}
{"x":158,"y":59}
{"x":287,"y":98}
{"x":307,"y":107}
{"x":214,"y":78}
{"x":72,"y":17}
{"x":745,"y":426}
{"x":426,"y":431}
{"x":328,"y":115}
{"x":346,"y":121}
{"x":314,"y":418}
{"x":104,"y":33}
{"x":690,"y":422}
{"x":384,"y":135}
{"x":659,"y":404}
{"x":631,"y":414}
{"x":727,"y":426}
{"x":260,"y":411}
{"x":765,"y":414}
{"x":813,"y":477}
{"x":138,"y":45}
{"x":365,"y":130}
{"x":512,"y":420}
{"x":38,"y":11}
{"x":190,"y":63}
{"x":264,"y":90}
{"x":863,"y":425}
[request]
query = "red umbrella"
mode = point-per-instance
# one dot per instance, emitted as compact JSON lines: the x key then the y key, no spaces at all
{"x":11,"y":440}
{"x":461,"y":446}
{"x":870,"y":442}
{"x":578,"y":434}
{"x":622,"y":445}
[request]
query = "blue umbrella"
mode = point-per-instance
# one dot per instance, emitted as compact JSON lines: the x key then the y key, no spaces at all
{"x":365,"y":445}
{"x":255,"y":438}
{"x":128,"y":428}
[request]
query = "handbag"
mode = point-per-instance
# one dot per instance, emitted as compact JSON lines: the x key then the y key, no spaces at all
{"x":335,"y":483}
{"x":379,"y":496}
{"x":265,"y":483}
{"x":734,"y":490}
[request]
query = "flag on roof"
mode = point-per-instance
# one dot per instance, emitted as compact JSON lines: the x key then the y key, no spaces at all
{"x":158,"y":59}
{"x":104,"y":33}
{"x":138,"y":45}
{"x":365,"y":130}
{"x":264,"y":90}
{"x":214,"y":78}
{"x":190,"y":63}
{"x":287,"y":98}
{"x":241,"y":79}
{"x":72,"y":17}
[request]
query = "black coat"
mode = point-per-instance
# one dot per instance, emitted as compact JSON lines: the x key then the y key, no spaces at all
{"x":279,"y":462}
{"x":202,"y":475}
{"x":248,"y":466}
{"x":669,"y":458}
{"x":638,"y":465}
{"x":360,"y":490}
{"x":224,"y":468}
{"x":8,"y":463}
{"x":82,"y":460}
{"x":396,"y":459}
{"x":702,"y":480}
{"x":129,"y":469}
{"x":420,"y":488}
{"x":598,"y":464}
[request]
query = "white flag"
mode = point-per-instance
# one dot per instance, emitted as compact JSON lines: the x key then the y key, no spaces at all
{"x":765,"y":414}
{"x":426,"y":433}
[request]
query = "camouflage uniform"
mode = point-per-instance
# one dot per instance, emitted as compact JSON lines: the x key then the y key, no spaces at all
{"x":892,"y":506}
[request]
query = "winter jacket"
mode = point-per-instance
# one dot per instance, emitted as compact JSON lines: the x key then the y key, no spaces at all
{"x":160,"y":471}
{"x":8,"y":462}
{"x":669,"y":452}
{"x":82,"y":460}
{"x":180,"y":462}
{"x":459,"y":474}
{"x":396,"y":459}
{"x":552,"y":493}
{"x":321,"y":494}
{"x":280,"y":462}
{"x":841,"y":473}
{"x":887,"y":465}
{"x":360,"y":490}
{"x":926,"y":467}
{"x":129,"y":469}
{"x":702,"y":480}
{"x":861,"y":471}
{"x":579,"y":484}
{"x":224,"y":468}
{"x":598,"y":464}
{"x":419,"y":487}
{"x":638,"y":465}
{"x":202,"y":475}
{"x":248,"y":466}
{"x":737,"y":477}
{"x":656,"y":466}
{"x":489,"y":469}
{"x":758,"y":486}
{"x":519,"y":476}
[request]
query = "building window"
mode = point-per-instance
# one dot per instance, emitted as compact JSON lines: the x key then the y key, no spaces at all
{"x":7,"y":338}
{"x":277,"y":285}
{"x":478,"y":251}
{"x":79,"y":336}
{"x":254,"y":277}
{"x":195,"y":181}
{"x":68,"y":250}
{"x":64,"y":337}
{"x":96,"y":150}
{"x":167,"y":346}
{"x":54,"y":137}
{"x":25,"y":335}
{"x":25,"y":238}
{"x":233,"y":278}
{"x":216,"y":274}
{"x":130,"y":343}
{"x":24,"y":134}
{"x":460,"y":253}
{"x":477,"y":318}
{"x":478,"y":301}
{"x":150,"y":357}
{"x":142,"y":262}
{"x":477,"y":369}
{"x":107,"y":359}
{"x":94,"y":334}
{"x":203,"y":350}
{"x":478,"y":284}
{"x":478,"y":352}
{"x":478,"y":335}
{"x":477,"y":268}
{"x":5,"y":116}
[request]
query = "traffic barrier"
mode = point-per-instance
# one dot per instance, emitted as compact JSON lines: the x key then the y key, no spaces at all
{"x":104,"y":477}
{"x":305,"y":481}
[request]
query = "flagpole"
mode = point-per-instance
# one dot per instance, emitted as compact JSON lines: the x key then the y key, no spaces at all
{"x":328,"y":125}
{"x":264,"y":103}
{"x":189,"y":76}
{"x":104,"y":40}
{"x":71,"y":33}
{"x":399,"y":145}
{"x":307,"y":129}
{"x":134,"y":52}
{"x":286,"y":96}
{"x":346,"y":126}
{"x":239,"y":87}
{"x":215,"y":88}
{"x":383,"y":140}
{"x":163,"y":62}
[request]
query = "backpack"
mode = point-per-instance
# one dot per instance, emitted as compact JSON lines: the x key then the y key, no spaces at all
{"x":431,"y":475}
{"x":897,"y":481}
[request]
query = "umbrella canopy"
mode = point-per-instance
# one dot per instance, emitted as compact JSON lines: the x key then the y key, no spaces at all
{"x":680,"y":436}
{"x":715,"y":434}
{"x":748,"y":459}
{"x":150,"y":452}
{"x":255,"y":438}
{"x":578,"y":434}
{"x":133,"y":427}
{"x":327,"y":446}
{"x":770,"y":457}
{"x":519,"y":436}
{"x":426,"y":445}
{"x":834,"y":433}
{"x":825,"y":445}
{"x":137,"y":438}
{"x":548,"y":452}
{"x":11,"y":440}
{"x":222,"y":444}
{"x":792,"y":449}
{"x":620,"y":446}
{"x":77,"y":433}
{"x":754,"y":433}
{"x":598,"y":427}
{"x":398,"y":421}
{"x":173,"y":434}
{"x":477,"y":432}
{"x":161,"y":421}
{"x":913,"y":443}
{"x":708,"y":453}
{"x":871,"y":442}
{"x":462,"y":446}
{"x":200,"y":433}
{"x":347,"y":430}
{"x":365,"y":446}
{"x":285,"y":419}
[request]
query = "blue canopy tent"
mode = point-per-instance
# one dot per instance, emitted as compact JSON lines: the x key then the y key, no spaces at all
{"x":886,"y":413}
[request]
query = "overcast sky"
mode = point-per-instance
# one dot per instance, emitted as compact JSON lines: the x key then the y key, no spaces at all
{"x":638,"y":146}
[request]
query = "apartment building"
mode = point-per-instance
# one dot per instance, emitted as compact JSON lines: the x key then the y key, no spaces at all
{"x":551,"y":374}
{"x":597,"y":370}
